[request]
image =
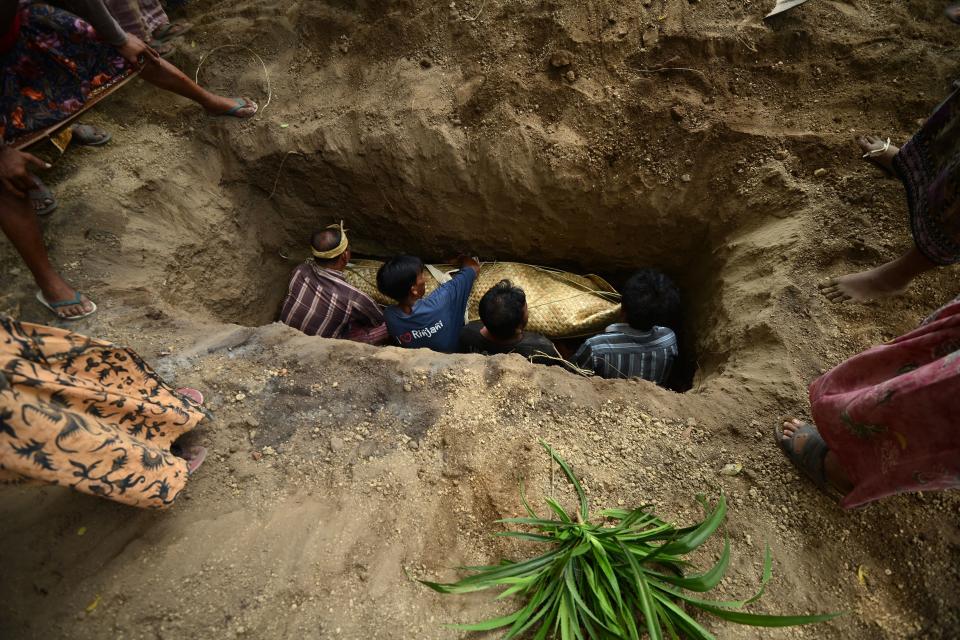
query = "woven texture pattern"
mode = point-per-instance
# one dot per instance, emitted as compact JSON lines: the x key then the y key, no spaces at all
{"x":562,"y":305}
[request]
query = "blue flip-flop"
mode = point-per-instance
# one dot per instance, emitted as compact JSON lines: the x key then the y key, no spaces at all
{"x":42,"y":199}
{"x":241,"y":103}
{"x":76,"y":300}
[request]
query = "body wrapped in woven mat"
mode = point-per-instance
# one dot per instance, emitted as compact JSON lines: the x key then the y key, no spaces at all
{"x":561,"y":304}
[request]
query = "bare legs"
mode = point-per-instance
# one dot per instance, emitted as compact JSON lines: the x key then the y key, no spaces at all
{"x":892,"y":278}
{"x":162,"y":74}
{"x":19,"y":224}
{"x":889,"y":279}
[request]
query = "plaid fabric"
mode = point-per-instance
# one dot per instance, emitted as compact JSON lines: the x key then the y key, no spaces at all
{"x":369,"y":335}
{"x":623,"y":352}
{"x":320,"y":302}
{"x":139,"y":17}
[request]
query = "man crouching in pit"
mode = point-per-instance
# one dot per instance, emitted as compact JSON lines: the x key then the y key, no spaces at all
{"x":433,"y":322}
{"x":320,"y":302}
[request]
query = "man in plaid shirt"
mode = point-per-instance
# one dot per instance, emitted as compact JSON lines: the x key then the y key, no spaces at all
{"x":320,"y":302}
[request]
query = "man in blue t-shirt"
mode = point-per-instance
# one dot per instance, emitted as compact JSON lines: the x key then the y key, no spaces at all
{"x":433,"y":322}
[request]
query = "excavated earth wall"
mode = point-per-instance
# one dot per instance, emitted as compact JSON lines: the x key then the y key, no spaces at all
{"x":595,"y":136}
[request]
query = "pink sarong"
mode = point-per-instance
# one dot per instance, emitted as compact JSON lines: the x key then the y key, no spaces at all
{"x":892,"y":413}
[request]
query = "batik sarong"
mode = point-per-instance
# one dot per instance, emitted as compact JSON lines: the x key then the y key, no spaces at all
{"x":56,"y":69}
{"x":891,"y":414}
{"x":84,"y":414}
{"x":139,"y":17}
{"x":929,"y":166}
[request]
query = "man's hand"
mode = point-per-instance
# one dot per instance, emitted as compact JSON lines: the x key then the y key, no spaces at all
{"x":15,"y":175}
{"x":134,"y":48}
{"x":466,"y":262}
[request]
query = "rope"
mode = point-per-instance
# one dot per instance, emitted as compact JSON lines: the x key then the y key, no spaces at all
{"x":204,"y":58}
{"x":280,"y":171}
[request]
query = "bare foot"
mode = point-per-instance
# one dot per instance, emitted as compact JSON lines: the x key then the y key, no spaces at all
{"x":862,"y":287}
{"x":236,"y":107}
{"x":889,"y":279}
{"x":58,"y":291}
{"x":878,"y":151}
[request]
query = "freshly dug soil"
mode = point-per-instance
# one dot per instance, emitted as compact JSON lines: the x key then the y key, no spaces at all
{"x":591,"y":135}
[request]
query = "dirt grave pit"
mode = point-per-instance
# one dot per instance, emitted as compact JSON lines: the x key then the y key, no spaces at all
{"x":688,"y":136}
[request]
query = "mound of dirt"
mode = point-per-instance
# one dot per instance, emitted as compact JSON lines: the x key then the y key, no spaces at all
{"x":593,"y":136}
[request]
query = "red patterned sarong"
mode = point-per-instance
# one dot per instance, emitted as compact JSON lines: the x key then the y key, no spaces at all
{"x":892,"y":413}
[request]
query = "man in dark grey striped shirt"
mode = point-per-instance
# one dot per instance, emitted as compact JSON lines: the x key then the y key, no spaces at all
{"x":644,"y":346}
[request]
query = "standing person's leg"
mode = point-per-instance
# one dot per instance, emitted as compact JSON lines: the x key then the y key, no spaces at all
{"x":19,"y":224}
{"x":929,"y":167}
{"x":889,"y":279}
{"x":804,"y":445}
{"x":162,"y":74}
{"x":886,"y":418}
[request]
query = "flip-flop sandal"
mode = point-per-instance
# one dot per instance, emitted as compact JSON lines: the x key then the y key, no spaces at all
{"x":194,"y":456}
{"x":873,"y":153}
{"x":42,"y":198}
{"x":164,"y":49}
{"x":77,"y":300}
{"x":811,"y":459}
{"x":240,"y":103}
{"x":89,"y":135}
{"x":193,"y":394}
{"x":171,"y":30}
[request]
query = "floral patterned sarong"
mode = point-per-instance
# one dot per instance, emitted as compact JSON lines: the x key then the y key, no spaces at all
{"x":892,"y":413}
{"x":929,"y":166}
{"x":85,"y":414}
{"x":56,"y":69}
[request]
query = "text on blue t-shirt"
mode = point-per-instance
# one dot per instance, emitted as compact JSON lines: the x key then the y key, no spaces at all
{"x":436,"y":320}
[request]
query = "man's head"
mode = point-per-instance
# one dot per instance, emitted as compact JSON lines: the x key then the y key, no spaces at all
{"x":503,"y":310}
{"x":327,"y":249}
{"x":401,"y":278}
{"x":650,"y":298}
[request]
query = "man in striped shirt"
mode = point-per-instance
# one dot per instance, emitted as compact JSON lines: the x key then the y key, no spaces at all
{"x":320,"y":302}
{"x":644,"y":346}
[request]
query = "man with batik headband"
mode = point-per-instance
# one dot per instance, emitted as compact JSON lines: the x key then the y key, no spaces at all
{"x":320,"y":302}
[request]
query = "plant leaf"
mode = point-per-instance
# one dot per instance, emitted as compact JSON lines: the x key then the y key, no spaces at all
{"x":487,"y":625}
{"x":765,"y":576}
{"x":535,"y":537}
{"x":557,"y":509}
{"x":601,"y":555}
{"x":523,"y":499}
{"x":584,"y":505}
{"x":575,"y":593}
{"x":765,"y":620}
{"x":684,"y":621}
{"x":693,"y":539}
{"x":644,"y":596}
{"x":542,"y":603}
{"x":704,"y":581}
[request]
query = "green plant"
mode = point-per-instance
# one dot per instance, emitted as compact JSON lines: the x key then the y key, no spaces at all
{"x":613,"y":581}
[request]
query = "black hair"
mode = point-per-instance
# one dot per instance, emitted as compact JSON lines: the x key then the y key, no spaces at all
{"x":651,"y":298}
{"x":501,"y":309}
{"x":326,"y":240}
{"x":397,"y":275}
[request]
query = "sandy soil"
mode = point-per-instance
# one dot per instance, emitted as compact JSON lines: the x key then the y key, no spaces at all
{"x":595,"y":135}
